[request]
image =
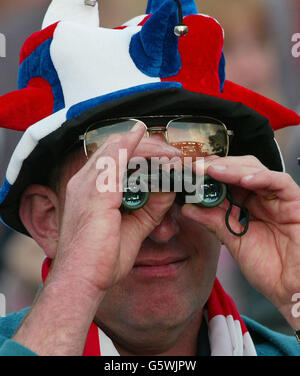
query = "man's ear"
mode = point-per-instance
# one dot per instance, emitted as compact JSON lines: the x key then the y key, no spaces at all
{"x":39,"y":212}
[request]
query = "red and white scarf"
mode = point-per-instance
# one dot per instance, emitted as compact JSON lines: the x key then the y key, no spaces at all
{"x":228,"y":335}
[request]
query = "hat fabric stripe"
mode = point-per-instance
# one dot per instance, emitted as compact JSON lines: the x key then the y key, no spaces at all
{"x":137,"y":21}
{"x":222,"y":74}
{"x":35,"y":40}
{"x":29,"y":141}
{"x":39,"y":64}
{"x":79,"y":108}
{"x":144,"y":20}
{"x":4,"y":190}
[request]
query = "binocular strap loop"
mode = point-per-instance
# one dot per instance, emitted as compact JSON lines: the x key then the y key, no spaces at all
{"x":244,"y":215}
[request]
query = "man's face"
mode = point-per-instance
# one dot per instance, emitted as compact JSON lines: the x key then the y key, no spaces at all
{"x":153,"y":298}
{"x":171,"y":280}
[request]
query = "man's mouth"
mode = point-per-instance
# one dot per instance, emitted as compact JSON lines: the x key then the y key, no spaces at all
{"x":159,"y":268}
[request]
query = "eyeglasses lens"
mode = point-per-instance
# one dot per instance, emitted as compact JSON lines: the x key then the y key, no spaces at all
{"x":198,"y":139}
{"x":195,"y":138}
{"x":96,"y":137}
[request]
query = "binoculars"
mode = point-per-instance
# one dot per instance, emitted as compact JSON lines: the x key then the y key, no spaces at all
{"x":189,"y":188}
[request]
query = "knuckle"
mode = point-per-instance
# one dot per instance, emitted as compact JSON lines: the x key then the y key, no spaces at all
{"x":251,"y":158}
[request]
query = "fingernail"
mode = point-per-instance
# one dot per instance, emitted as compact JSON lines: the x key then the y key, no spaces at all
{"x":137,"y":126}
{"x":247,"y":178}
{"x":219,"y":167}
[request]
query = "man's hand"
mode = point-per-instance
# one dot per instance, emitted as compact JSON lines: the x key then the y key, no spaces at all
{"x":97,"y":248}
{"x":99,"y":242}
{"x":269,"y":253}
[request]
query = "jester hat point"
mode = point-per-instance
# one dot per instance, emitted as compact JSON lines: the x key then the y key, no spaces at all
{"x":74,"y":72}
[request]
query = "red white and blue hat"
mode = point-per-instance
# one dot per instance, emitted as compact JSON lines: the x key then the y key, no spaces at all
{"x":74,"y":72}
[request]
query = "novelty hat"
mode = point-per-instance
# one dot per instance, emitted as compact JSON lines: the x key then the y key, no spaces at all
{"x":169,"y":61}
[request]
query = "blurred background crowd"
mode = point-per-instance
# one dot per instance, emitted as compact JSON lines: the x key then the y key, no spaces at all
{"x":258,"y":44}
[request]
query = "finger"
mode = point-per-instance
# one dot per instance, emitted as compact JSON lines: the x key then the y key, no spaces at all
{"x":257,"y":179}
{"x":225,"y":162}
{"x":231,"y":174}
{"x":245,"y":160}
{"x":230,"y":170}
{"x":108,"y":163}
{"x":152,"y":147}
{"x":266,"y":181}
{"x":202,"y":164}
{"x":128,"y":141}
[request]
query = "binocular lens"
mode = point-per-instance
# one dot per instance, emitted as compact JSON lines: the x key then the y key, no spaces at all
{"x":134,"y":197}
{"x":136,"y":193}
{"x":214,"y":193}
{"x":210,"y":194}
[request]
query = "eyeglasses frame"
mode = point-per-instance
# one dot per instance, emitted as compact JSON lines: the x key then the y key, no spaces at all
{"x":163,"y":129}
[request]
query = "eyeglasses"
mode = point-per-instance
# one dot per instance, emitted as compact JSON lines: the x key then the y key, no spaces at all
{"x":195,"y":136}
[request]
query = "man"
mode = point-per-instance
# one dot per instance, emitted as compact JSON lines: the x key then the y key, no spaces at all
{"x":143,"y":282}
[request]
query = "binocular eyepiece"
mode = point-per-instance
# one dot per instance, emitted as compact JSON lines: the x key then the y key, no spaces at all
{"x":189,"y":188}
{"x":204,"y":191}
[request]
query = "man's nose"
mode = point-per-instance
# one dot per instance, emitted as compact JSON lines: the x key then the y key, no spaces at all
{"x":166,"y":230}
